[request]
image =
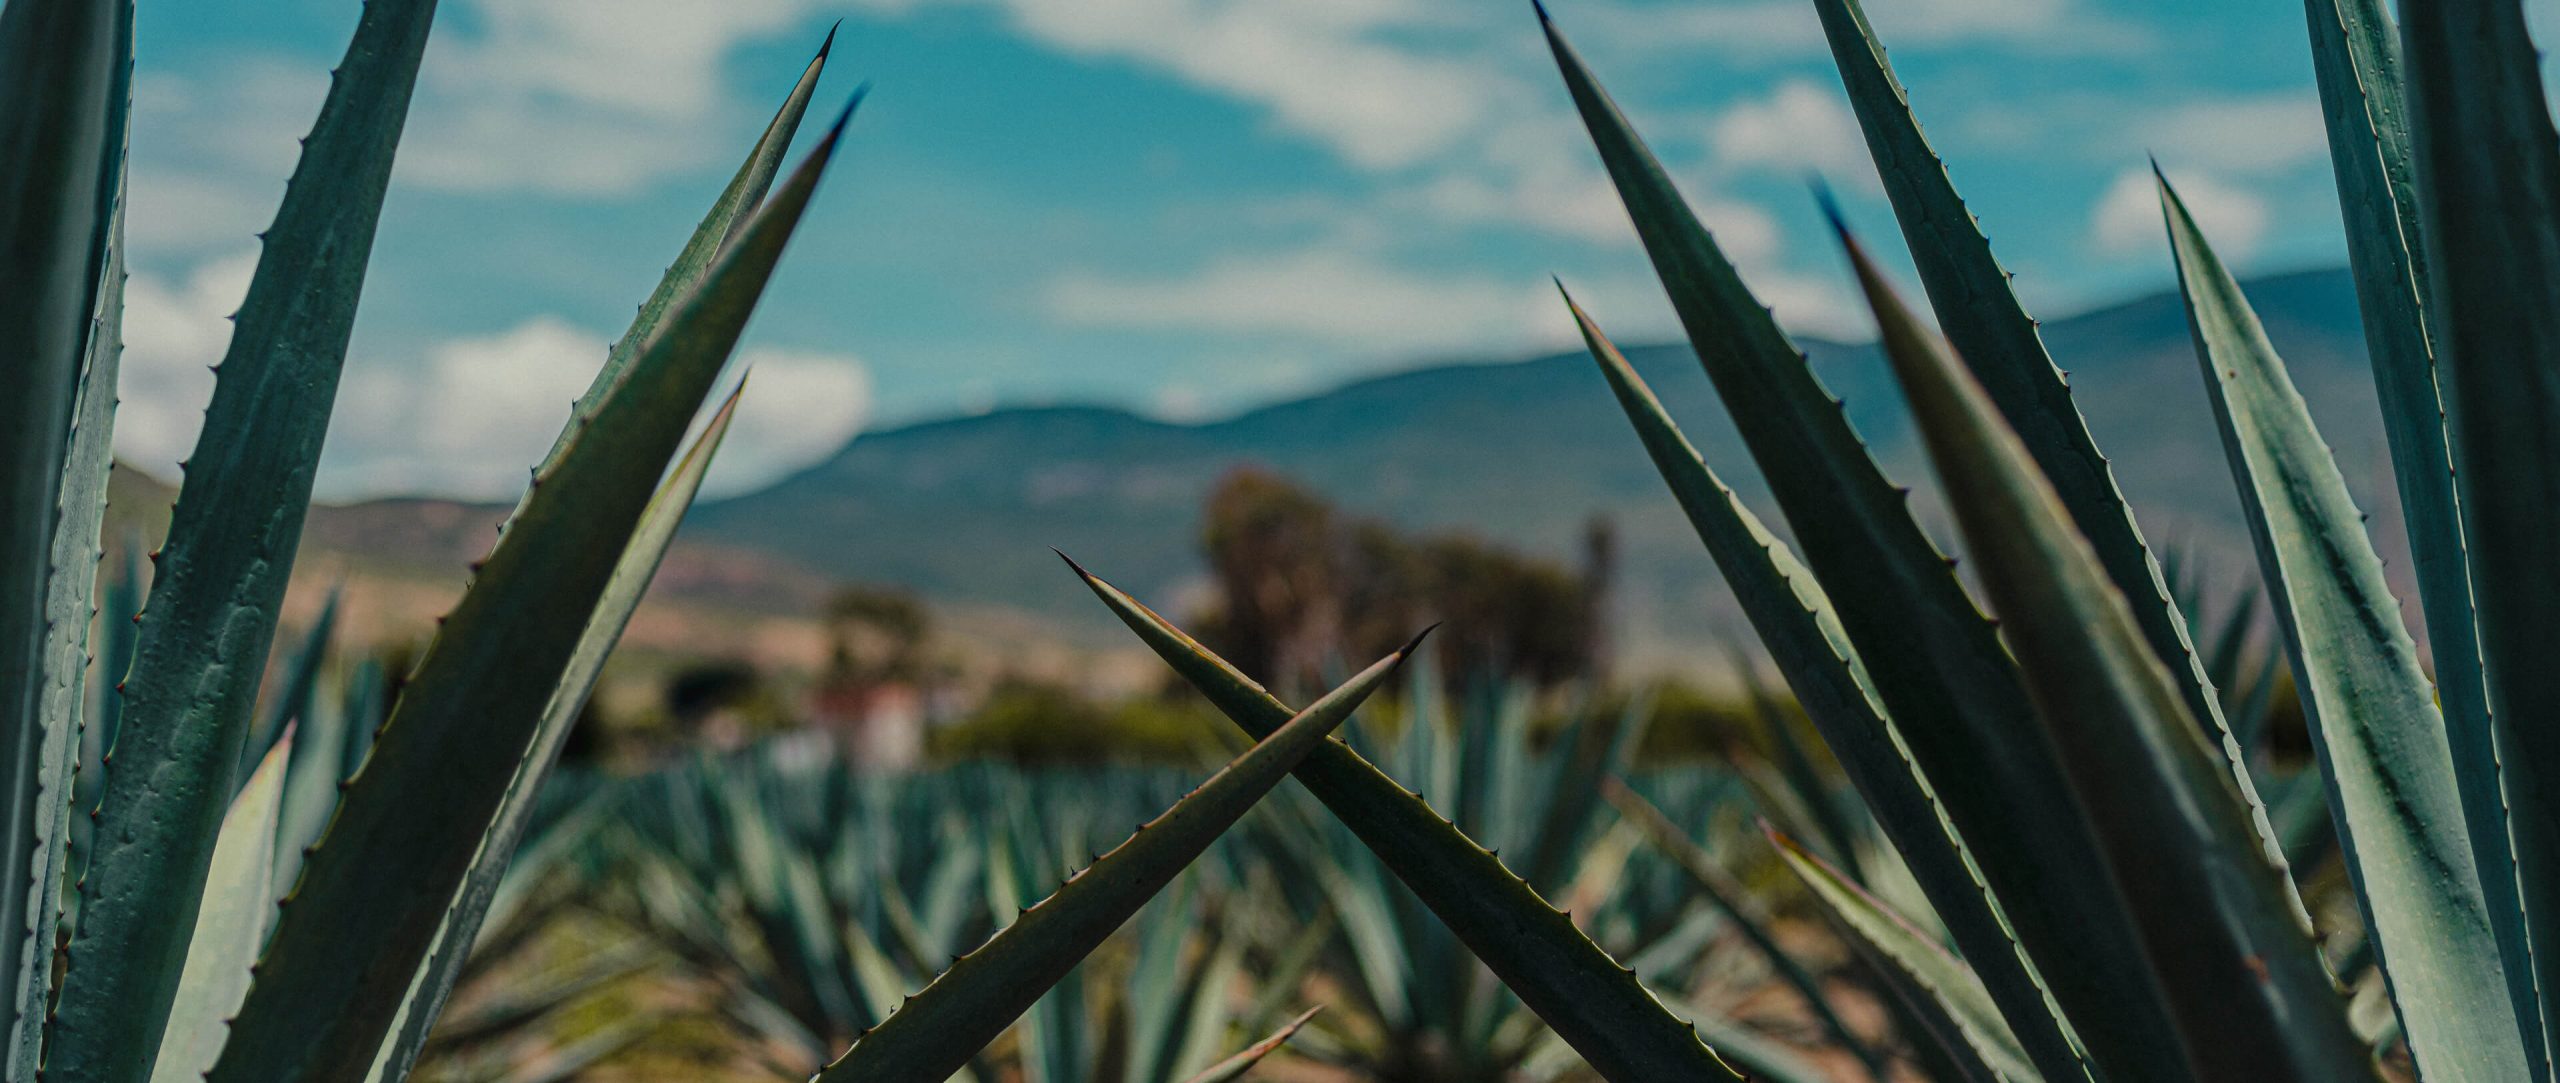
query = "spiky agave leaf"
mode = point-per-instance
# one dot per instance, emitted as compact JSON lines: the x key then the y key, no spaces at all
{"x":229,"y":927}
{"x":2220,"y":937}
{"x":479,"y":889}
{"x":213,"y":606}
{"x":1729,"y":896}
{"x":1796,"y":622}
{"x":64,"y":67}
{"x":720,"y":227}
{"x":1981,"y":315}
{"x":1938,"y":987}
{"x":1935,"y":661}
{"x":936,"y":1032}
{"x":1591,"y":1001}
{"x":2355,"y":52}
{"x":2382,"y":745}
{"x":2486,"y":172}
{"x":1234,"y":1068}
{"x":291,"y":698}
{"x":373,"y":896}
{"x":71,"y":604}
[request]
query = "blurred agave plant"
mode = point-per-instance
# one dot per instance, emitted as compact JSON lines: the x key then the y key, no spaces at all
{"x":818,"y":896}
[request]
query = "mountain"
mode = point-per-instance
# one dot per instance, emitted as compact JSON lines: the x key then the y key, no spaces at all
{"x":1522,"y":452}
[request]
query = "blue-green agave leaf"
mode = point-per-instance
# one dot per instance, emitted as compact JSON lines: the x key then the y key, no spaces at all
{"x":1796,"y":623}
{"x":721,"y":226}
{"x":1981,"y":315}
{"x":1936,"y":663}
{"x":2220,"y":936}
{"x":292,"y":697}
{"x":2486,"y":260}
{"x":365,"y":915}
{"x":212,"y":612}
{"x":1746,"y":911}
{"x":1938,"y":987}
{"x":71,"y":606}
{"x":65,"y":67}
{"x":230,"y":926}
{"x":936,"y":1032}
{"x":2374,"y":721}
{"x":471,"y":902}
{"x":1590,"y":1000}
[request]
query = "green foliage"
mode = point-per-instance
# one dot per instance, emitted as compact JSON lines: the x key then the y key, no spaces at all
{"x":1034,"y":723}
{"x":179,"y":963}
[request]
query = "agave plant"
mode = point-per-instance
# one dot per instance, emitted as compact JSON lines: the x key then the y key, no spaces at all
{"x":2108,"y":896}
{"x":203,"y":806}
{"x":817,"y":897}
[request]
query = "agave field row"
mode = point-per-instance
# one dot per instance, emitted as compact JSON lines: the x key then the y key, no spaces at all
{"x":2067,"y":859}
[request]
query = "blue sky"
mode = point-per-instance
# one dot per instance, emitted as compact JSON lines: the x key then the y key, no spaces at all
{"x":1181,"y":206}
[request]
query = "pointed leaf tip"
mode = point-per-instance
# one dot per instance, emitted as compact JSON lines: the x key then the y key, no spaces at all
{"x":830,"y":43}
{"x":1829,"y":202}
{"x":1414,"y":644}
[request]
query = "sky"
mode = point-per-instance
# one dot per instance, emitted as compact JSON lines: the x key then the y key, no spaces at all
{"x":1182,"y":207}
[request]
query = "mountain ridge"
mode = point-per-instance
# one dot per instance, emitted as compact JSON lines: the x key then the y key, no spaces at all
{"x":1519,"y":451}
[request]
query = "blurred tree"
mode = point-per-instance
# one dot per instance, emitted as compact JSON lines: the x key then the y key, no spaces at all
{"x":1301,"y":585}
{"x":874,"y":635}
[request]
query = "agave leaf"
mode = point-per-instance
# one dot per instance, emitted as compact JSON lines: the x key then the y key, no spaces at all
{"x":1796,"y":766}
{"x":2355,"y":51}
{"x":292,"y":698}
{"x":1829,"y":674}
{"x":229,"y":928}
{"x":1234,"y":1068}
{"x":2486,"y":172}
{"x":64,"y":70}
{"x":631,"y":576}
{"x":1737,"y":902}
{"x":213,"y":606}
{"x":71,"y":606}
{"x":1937,"y":986}
{"x":1586,"y":997}
{"x":2382,"y":744}
{"x":318,"y":766}
{"x":936,"y":1032}
{"x":1936,"y":663}
{"x":1992,"y":332}
{"x":373,"y":895}
{"x":721,"y":226}
{"x":1206,"y":1011}
{"x":2220,"y":935}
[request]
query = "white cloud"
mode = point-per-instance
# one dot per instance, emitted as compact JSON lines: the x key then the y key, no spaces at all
{"x":1800,"y":127}
{"x":1331,"y":297}
{"x":800,"y":407}
{"x":583,"y":97}
{"x":2127,"y":216}
{"x":1324,"y":70}
{"x":472,"y":415}
{"x":2251,"y":134}
{"x":560,"y":97}
{"x":174,"y":331}
{"x":1363,"y":305}
{"x":1780,"y":29}
{"x":211,"y":153}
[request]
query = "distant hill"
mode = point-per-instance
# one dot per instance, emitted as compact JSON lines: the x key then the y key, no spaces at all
{"x":1523,"y":452}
